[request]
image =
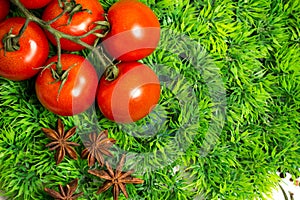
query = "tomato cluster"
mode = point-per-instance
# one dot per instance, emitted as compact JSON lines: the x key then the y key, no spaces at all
{"x":67,"y":83}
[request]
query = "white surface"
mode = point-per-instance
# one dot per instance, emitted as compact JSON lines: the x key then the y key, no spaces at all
{"x":288,"y":186}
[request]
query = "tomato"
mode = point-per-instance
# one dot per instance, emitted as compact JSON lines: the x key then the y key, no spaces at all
{"x":77,"y":93}
{"x":4,"y":9}
{"x":131,"y":96}
{"x":34,"y":49}
{"x":35,"y":4}
{"x":81,"y":22}
{"x":134,"y":33}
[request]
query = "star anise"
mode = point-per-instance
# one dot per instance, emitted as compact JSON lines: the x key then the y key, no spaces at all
{"x":66,"y":192}
{"x":117,"y":179}
{"x":60,"y":141}
{"x":97,"y":145}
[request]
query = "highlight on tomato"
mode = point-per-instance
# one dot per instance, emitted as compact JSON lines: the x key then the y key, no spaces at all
{"x":131,"y":96}
{"x":21,"y":55}
{"x":68,"y":91}
{"x":134,"y":32}
{"x":82,"y":17}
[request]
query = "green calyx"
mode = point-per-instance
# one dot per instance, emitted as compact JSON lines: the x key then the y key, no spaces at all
{"x":10,"y":42}
{"x":111,"y":73}
{"x":71,"y":7}
{"x":60,"y":76}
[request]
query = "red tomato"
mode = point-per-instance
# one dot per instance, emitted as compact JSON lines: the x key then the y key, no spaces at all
{"x":135,"y":31}
{"x":35,"y":4}
{"x":33,"y":53}
{"x":77,"y":94}
{"x":81,"y":23}
{"x":131,"y":96}
{"x":4,"y":9}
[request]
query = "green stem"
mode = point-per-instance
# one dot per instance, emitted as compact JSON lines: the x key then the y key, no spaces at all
{"x":284,"y":194}
{"x":11,"y":42}
{"x":58,"y":65}
{"x":58,"y":35}
{"x":28,"y":14}
{"x":22,"y":30}
{"x":57,"y":17}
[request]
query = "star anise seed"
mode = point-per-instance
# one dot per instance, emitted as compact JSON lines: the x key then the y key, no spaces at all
{"x":97,"y":145}
{"x":66,"y":192}
{"x":117,"y":179}
{"x":60,"y":141}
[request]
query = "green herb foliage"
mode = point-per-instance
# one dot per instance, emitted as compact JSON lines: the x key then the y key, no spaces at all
{"x":227,"y":121}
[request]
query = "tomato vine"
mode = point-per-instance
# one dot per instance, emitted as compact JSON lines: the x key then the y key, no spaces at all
{"x":74,"y":25}
{"x":101,"y":25}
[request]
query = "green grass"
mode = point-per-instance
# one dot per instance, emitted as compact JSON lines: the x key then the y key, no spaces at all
{"x":227,"y":120}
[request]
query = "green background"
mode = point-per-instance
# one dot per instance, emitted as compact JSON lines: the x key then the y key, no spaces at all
{"x":251,"y":46}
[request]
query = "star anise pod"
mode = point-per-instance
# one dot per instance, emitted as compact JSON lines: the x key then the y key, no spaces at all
{"x":97,"y":145}
{"x":60,"y":141}
{"x":118,"y":179}
{"x":66,"y":192}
